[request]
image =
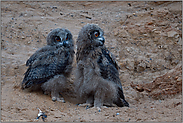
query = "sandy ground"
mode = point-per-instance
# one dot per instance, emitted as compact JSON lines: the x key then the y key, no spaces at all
{"x":145,"y":37}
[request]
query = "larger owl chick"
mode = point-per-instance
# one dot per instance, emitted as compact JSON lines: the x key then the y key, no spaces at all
{"x":97,"y":78}
{"x":50,"y":66}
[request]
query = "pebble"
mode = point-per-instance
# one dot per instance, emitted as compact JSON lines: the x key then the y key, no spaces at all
{"x":176,"y":77}
{"x":157,"y":32}
{"x":171,"y":33}
{"x":151,"y":8}
{"x":87,"y":107}
{"x":117,"y":113}
{"x":177,"y":36}
{"x":179,"y":79}
{"x":150,"y":23}
{"x":54,"y":7}
{"x":106,"y":114}
{"x":19,"y":27}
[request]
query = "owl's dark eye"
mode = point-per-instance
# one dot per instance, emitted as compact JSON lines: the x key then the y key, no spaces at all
{"x":57,"y":38}
{"x":96,"y":34}
{"x":67,"y":37}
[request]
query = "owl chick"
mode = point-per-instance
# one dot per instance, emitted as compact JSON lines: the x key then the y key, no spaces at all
{"x":50,"y":66}
{"x":97,"y":78}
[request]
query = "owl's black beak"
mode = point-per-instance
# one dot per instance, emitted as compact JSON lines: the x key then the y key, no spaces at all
{"x":65,"y":44}
{"x":101,"y":41}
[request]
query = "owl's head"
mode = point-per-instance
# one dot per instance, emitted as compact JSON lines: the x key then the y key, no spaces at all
{"x":60,"y":37}
{"x":90,"y":35}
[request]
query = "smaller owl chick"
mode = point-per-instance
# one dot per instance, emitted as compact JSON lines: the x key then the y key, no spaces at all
{"x":97,"y":78}
{"x":50,"y":66}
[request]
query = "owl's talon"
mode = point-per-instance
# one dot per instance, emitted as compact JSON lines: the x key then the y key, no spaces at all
{"x":85,"y":105}
{"x":58,"y":99}
{"x":54,"y":99}
{"x":61,"y":100}
{"x":98,"y":108}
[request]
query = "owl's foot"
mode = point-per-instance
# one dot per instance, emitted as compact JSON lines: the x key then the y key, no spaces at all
{"x":85,"y":105}
{"x":99,"y":108}
{"x":58,"y":99}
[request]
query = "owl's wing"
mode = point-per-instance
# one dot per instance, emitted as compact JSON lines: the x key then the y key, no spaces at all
{"x":108,"y":66}
{"x":39,"y":55}
{"x":45,"y":65}
{"x":109,"y":70}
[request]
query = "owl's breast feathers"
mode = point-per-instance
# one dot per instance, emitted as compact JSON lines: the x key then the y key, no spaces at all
{"x":45,"y":64}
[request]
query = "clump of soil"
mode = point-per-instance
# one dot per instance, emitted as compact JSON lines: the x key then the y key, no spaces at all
{"x":166,"y":85}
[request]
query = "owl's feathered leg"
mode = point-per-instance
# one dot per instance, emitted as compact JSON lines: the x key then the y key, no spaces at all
{"x":89,"y":102}
{"x":56,"y":97}
{"x":99,"y":99}
{"x":55,"y":86}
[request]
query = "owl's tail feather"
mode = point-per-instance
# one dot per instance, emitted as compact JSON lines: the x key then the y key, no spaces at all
{"x":121,"y":102}
{"x":26,"y":84}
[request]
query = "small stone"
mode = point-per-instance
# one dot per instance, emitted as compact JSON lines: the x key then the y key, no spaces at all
{"x":179,"y":79}
{"x":177,"y":36}
{"x":151,"y":8}
{"x":150,"y":23}
{"x":138,"y":24}
{"x":16,"y":67}
{"x":140,"y":89}
{"x":19,"y":27}
{"x":176,"y":77}
{"x":171,"y":33}
{"x":157,"y":32}
{"x":54,"y":7}
{"x":106,"y":114}
{"x":165,"y":46}
{"x":138,"y":119}
{"x":141,"y":67}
